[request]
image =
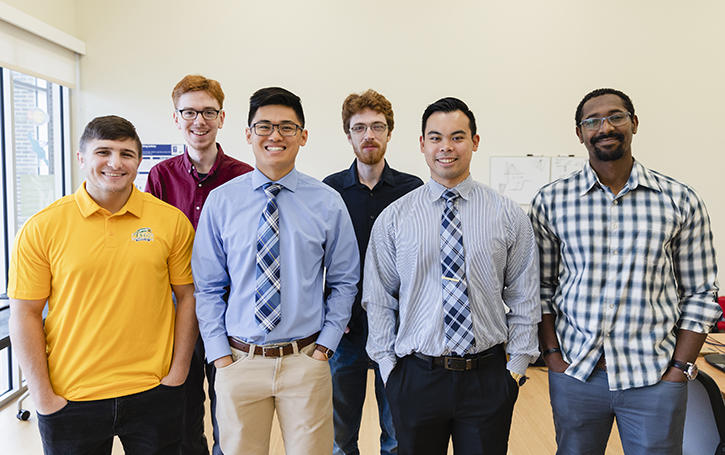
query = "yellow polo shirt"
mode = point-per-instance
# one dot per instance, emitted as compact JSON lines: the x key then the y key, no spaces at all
{"x":107,"y":277}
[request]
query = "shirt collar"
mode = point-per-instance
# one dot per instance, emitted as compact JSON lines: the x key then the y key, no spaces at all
{"x":87,"y":206}
{"x":351,"y":176}
{"x":436,"y":190}
{"x":189,"y":166}
{"x":289,"y":181}
{"x":639,"y":175}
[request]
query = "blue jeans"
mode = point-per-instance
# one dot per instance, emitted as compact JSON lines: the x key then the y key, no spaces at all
{"x":147,"y":423}
{"x":349,"y":367}
{"x":650,"y":419}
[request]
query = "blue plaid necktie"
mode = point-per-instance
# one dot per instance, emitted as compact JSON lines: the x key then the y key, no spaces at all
{"x":456,"y":312}
{"x":267,"y":310}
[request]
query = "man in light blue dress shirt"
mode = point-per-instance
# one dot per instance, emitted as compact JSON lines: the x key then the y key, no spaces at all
{"x":443,"y":302}
{"x":269,"y":326}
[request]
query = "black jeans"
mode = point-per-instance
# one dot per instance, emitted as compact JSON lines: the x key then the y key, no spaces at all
{"x":147,"y":423}
{"x":431,"y":404}
{"x":194,"y":441}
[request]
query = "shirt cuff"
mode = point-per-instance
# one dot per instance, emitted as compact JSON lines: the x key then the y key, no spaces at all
{"x":386,"y":366}
{"x":216,"y":348}
{"x":329,"y":337}
{"x":518,"y":363}
{"x":694,"y":326}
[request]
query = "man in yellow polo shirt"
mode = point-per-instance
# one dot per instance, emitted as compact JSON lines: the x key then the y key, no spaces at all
{"x":113,"y":352}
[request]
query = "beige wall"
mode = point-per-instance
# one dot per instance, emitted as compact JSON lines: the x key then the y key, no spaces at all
{"x":522,"y":66}
{"x":61,"y":14}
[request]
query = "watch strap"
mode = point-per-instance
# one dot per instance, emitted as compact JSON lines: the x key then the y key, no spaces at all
{"x":327,"y":351}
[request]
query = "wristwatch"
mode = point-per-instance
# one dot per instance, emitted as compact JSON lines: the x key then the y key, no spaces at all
{"x":689,"y":368}
{"x":327,"y":351}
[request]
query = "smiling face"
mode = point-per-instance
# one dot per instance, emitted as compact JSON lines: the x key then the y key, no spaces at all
{"x":369,"y":147}
{"x":110,"y":167}
{"x":448,"y":147}
{"x":608,"y":142}
{"x":199,"y":134}
{"x":275,"y":154}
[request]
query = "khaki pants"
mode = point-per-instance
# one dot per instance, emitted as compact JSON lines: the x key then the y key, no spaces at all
{"x":297,"y":386}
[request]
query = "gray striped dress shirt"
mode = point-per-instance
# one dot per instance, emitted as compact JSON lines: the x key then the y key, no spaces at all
{"x":402,"y":290}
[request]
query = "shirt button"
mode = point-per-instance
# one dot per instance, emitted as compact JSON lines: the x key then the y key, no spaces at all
{"x":615,"y":202}
{"x":200,"y":185}
{"x":372,"y":217}
{"x":615,"y":226}
{"x":371,"y":194}
{"x":198,"y":208}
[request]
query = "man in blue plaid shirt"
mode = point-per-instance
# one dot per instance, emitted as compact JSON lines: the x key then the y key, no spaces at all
{"x":628,"y":286}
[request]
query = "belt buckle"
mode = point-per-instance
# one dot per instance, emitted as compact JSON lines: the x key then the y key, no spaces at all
{"x":457,"y":364}
{"x":274,"y":349}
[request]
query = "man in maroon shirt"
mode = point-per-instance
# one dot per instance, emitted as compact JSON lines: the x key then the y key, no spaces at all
{"x":185,"y":182}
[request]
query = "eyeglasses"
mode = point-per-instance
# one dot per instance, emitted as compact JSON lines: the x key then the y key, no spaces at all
{"x":286,"y":129}
{"x":191,"y":114}
{"x":377,"y":128}
{"x":618,"y":119}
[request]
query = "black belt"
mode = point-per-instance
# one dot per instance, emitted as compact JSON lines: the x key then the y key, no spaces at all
{"x":465,"y":363}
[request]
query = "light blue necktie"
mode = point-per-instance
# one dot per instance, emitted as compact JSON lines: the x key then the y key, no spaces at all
{"x":267,"y":310}
{"x":456,"y":311}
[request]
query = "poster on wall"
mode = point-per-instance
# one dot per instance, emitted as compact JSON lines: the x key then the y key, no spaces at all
{"x":153,"y":154}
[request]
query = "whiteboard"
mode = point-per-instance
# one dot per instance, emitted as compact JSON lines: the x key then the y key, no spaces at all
{"x":562,"y":166}
{"x":520,"y":177}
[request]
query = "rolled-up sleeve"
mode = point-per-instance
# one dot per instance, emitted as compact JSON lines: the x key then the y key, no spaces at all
{"x":548,"y":247}
{"x":695,"y":269}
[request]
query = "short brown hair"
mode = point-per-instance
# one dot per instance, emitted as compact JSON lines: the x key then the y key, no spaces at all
{"x":370,"y":99}
{"x":195,"y":83}
{"x":111,"y":128}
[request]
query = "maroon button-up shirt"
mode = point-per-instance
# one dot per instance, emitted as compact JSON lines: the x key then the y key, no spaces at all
{"x":176,"y":181}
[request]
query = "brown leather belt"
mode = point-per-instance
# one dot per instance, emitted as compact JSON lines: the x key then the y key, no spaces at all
{"x":601,"y":363}
{"x":466,"y":363}
{"x":273,"y":350}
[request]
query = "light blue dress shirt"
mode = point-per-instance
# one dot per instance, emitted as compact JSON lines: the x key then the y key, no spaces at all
{"x":318,"y":250}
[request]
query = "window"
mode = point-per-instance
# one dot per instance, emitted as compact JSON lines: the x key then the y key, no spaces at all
{"x":35,"y":171}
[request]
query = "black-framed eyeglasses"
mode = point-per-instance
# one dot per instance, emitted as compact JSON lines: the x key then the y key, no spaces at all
{"x":617,"y":119}
{"x":286,"y":129}
{"x":191,"y":114}
{"x":377,"y":128}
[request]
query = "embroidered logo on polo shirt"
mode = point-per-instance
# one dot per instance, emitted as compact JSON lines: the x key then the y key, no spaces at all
{"x":143,"y":235}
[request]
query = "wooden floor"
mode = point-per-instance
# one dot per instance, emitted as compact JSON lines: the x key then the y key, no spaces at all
{"x":532,"y":431}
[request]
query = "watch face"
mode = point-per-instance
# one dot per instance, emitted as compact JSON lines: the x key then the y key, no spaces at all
{"x":691,"y":371}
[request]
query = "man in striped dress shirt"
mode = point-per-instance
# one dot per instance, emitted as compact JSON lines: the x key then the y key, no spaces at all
{"x":628,"y":285}
{"x":451,"y":276}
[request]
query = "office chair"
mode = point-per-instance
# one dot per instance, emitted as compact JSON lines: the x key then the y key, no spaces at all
{"x":705,"y":418}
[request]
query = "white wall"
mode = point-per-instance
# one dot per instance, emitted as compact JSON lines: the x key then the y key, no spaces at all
{"x":522,"y":66}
